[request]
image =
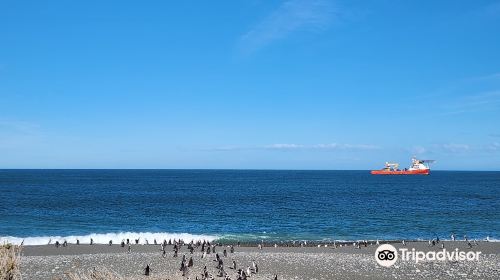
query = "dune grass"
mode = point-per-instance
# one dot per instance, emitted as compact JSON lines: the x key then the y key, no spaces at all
{"x":10,"y":261}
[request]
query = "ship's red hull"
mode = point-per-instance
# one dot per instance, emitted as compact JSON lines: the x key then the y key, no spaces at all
{"x":401,"y":172}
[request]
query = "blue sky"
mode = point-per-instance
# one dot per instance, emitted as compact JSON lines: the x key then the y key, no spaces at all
{"x":249,"y":84}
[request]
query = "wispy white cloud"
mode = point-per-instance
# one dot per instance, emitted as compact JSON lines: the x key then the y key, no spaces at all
{"x":227,"y":148}
{"x":15,"y":134}
{"x":418,"y":150}
{"x":286,"y":146}
{"x":493,"y":76}
{"x":483,"y":101}
{"x":453,"y":147}
{"x":330,"y":146}
{"x":490,"y":10}
{"x":16,"y":126}
{"x":289,"y":17}
{"x":494,"y":146}
{"x":456,"y":148}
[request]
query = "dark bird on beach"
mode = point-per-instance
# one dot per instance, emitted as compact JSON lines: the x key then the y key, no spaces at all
{"x":182,"y":266}
{"x":147,"y":270}
{"x":220,"y":264}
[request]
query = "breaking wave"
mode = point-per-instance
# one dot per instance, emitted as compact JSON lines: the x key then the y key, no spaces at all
{"x":104,"y":238}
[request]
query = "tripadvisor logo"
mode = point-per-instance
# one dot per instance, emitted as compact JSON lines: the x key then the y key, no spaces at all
{"x":387,"y":255}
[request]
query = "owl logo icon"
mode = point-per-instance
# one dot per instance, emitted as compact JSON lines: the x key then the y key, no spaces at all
{"x":386,"y":255}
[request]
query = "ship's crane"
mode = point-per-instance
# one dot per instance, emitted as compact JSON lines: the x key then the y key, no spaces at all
{"x":391,"y":166}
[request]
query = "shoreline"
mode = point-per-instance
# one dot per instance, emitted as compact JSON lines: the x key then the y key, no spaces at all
{"x":308,"y":262}
{"x":103,"y":239}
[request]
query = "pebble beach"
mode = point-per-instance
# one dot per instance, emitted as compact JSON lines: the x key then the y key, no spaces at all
{"x":309,"y":262}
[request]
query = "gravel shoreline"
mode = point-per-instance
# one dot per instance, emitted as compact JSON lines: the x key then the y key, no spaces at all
{"x":346,"y":262}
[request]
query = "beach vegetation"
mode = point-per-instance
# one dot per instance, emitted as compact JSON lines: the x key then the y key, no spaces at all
{"x":10,"y":262}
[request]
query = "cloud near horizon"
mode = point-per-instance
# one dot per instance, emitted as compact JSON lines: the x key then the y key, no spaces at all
{"x":289,"y":17}
{"x":455,"y":148}
{"x":284,"y":146}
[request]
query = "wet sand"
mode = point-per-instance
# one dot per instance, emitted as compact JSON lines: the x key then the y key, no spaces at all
{"x":347,"y":262}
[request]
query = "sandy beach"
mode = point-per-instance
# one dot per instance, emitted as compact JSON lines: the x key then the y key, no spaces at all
{"x":310,"y":262}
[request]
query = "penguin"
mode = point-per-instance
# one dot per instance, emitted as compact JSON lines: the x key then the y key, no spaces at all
{"x":182,"y":266}
{"x":220,"y":264}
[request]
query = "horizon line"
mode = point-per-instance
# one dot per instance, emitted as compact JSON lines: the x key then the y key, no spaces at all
{"x":238,"y":169}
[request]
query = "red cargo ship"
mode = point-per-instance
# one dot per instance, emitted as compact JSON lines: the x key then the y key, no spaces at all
{"x":418,"y":167}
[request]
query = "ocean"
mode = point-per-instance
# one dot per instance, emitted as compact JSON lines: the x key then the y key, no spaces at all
{"x":245,"y":205}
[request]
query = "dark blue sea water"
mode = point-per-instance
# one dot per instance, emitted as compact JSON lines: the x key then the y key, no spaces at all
{"x":250,"y":205}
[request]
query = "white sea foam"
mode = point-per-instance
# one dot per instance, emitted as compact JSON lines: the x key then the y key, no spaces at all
{"x":104,"y":238}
